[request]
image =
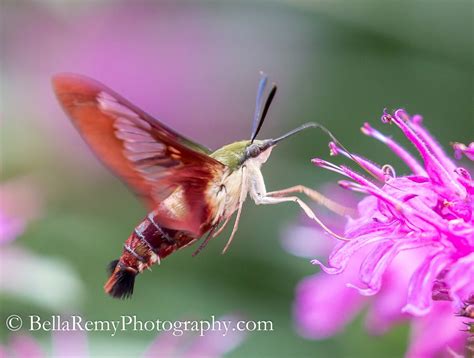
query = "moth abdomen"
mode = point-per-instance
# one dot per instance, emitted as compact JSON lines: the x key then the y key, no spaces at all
{"x":146,"y":246}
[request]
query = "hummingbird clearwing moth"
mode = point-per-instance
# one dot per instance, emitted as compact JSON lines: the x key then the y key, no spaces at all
{"x":191,"y":190}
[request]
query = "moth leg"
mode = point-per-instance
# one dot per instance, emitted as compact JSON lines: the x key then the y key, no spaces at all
{"x":269,"y":200}
{"x":211,"y":235}
{"x":219,"y":231}
{"x":315,"y":196}
{"x":243,"y":194}
{"x":205,"y":242}
{"x":259,"y":194}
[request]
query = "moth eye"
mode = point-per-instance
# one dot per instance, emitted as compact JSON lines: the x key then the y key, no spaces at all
{"x":253,"y":151}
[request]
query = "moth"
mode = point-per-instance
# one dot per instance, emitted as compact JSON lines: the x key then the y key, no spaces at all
{"x":192,"y":191}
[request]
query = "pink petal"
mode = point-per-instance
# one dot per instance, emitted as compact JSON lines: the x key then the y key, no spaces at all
{"x":23,"y":346}
{"x":67,"y":344}
{"x":432,"y":145}
{"x":10,"y":228}
{"x":460,"y":278}
{"x":460,"y":149}
{"x":340,"y":257}
{"x":409,"y":160}
{"x":419,"y":292}
{"x":375,"y":264}
{"x":214,"y":344}
{"x":435,"y":169}
{"x":386,"y":308}
{"x":165,"y":345}
{"x":324,"y":305}
{"x":306,"y":241}
{"x":437,"y":333}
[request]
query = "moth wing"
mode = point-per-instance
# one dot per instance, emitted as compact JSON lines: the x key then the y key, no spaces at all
{"x":150,"y":157}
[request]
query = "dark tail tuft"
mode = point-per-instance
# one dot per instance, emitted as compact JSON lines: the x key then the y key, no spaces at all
{"x":111,"y":266}
{"x":121,"y":281}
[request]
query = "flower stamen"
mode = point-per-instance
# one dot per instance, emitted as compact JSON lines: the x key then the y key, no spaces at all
{"x":396,"y":148}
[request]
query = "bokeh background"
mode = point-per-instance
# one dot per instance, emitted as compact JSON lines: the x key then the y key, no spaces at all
{"x":194,"y":65}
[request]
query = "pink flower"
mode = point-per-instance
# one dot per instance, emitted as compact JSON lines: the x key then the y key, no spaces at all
{"x":412,"y":244}
{"x":10,"y":228}
{"x":212,"y":344}
{"x":325,"y":304}
{"x":430,"y":209}
{"x":19,"y":203}
{"x":169,"y":61}
{"x":460,"y":149}
{"x":64,"y":344}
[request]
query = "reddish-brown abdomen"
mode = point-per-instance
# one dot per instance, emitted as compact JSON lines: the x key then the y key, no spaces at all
{"x":148,"y":244}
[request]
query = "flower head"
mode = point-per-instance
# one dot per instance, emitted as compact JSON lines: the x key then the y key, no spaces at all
{"x":410,"y":248}
{"x":430,"y":209}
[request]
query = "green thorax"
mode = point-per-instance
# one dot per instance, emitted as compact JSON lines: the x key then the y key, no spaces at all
{"x":232,"y":155}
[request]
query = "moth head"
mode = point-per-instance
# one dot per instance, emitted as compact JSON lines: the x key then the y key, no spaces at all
{"x":261,"y":149}
{"x":258,"y":150}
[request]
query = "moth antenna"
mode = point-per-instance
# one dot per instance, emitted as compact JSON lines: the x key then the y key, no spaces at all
{"x":121,"y":281}
{"x":259,"y":101}
{"x":266,"y":107}
{"x":260,"y":114}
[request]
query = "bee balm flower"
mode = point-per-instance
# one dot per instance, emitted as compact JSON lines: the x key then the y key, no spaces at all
{"x":411,"y":248}
{"x":430,"y":209}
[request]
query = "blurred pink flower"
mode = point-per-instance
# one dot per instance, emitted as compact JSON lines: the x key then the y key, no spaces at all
{"x":460,"y":149}
{"x":64,"y":344}
{"x":21,"y":346}
{"x":19,"y":203}
{"x":10,"y":228}
{"x":412,"y":243}
{"x":145,"y":61}
{"x":176,"y":63}
{"x":212,"y":344}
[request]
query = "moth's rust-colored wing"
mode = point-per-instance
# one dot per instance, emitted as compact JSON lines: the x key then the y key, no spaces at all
{"x":151,"y":158}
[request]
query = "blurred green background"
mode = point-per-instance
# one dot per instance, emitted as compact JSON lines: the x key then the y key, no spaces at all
{"x":194,"y":65}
